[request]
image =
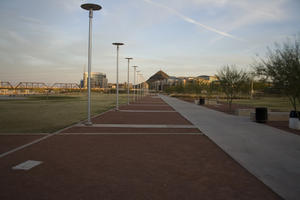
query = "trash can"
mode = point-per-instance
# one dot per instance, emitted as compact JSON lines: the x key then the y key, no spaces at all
{"x":201,"y":101}
{"x":294,"y":114}
{"x":294,"y":120}
{"x":261,"y":115}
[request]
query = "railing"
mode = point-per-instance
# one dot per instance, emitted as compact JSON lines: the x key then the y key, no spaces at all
{"x":6,"y":85}
{"x":38,"y":85}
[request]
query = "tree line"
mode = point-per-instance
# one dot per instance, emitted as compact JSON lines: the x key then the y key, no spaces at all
{"x":277,"y":73}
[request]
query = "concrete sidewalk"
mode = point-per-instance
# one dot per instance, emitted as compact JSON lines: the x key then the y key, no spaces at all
{"x":272,"y":155}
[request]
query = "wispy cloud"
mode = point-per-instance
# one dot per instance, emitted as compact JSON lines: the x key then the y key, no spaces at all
{"x":190,"y":20}
{"x":246,"y":13}
{"x":31,"y":20}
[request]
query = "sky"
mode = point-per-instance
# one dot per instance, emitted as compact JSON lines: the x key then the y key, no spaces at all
{"x":47,"y":41}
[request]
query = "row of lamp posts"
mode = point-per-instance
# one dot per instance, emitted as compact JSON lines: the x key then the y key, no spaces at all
{"x":94,"y":7}
{"x":136,"y":74}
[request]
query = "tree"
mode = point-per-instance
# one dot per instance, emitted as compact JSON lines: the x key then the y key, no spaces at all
{"x":211,"y":88}
{"x":231,"y":81}
{"x":282,"y":67}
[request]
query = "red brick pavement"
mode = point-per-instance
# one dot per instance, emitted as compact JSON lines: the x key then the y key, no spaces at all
{"x":128,"y":167}
{"x":8,"y":142}
{"x":131,"y":166}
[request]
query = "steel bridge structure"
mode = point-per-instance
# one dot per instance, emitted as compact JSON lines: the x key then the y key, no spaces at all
{"x":38,"y":86}
{"x":65,"y":86}
{"x":5,"y":85}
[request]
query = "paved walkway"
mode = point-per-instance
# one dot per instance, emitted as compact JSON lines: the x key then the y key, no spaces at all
{"x":125,"y":155}
{"x":272,"y":155}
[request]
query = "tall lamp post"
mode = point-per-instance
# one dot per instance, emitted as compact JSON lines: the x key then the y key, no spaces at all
{"x":128,"y":79}
{"x":141,"y":86}
{"x":117,"y":44}
{"x":137,"y":80}
{"x":134,"y":73}
{"x":90,"y":8}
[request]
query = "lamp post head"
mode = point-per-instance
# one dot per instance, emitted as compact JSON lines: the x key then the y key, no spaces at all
{"x":118,"y":43}
{"x":134,"y":66}
{"x":129,"y":58}
{"x":90,"y":6}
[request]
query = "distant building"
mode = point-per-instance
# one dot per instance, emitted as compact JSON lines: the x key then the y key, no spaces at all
{"x":121,"y":85}
{"x":111,"y":86}
{"x":157,"y":81}
{"x":98,"y":80}
{"x":208,"y":78}
{"x":160,"y":80}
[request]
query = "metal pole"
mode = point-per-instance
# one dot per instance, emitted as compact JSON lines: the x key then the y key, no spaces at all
{"x":89,"y":66}
{"x":137,"y":82}
{"x":90,"y":7}
{"x":134,"y":87}
{"x":251,"y":92}
{"x":117,"y":105}
{"x":134,"y":83}
{"x":141,"y":86}
{"x":117,"y":44}
{"x":137,"y":78}
{"x":128,"y":92}
{"x":128,"y":82}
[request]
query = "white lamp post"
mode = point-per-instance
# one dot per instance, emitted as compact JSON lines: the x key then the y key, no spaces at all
{"x":141,"y":86}
{"x":134,"y":73}
{"x":117,"y":44}
{"x":138,"y":90}
{"x":128,"y":79}
{"x":90,"y":8}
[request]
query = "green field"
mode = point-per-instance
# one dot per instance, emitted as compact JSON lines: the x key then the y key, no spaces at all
{"x":273,"y":103}
{"x":42,"y":114}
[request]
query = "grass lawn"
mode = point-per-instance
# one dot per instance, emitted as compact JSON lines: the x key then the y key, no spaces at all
{"x":39,"y":114}
{"x":273,"y":103}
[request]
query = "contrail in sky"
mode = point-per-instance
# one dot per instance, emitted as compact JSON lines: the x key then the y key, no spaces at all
{"x":190,"y":20}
